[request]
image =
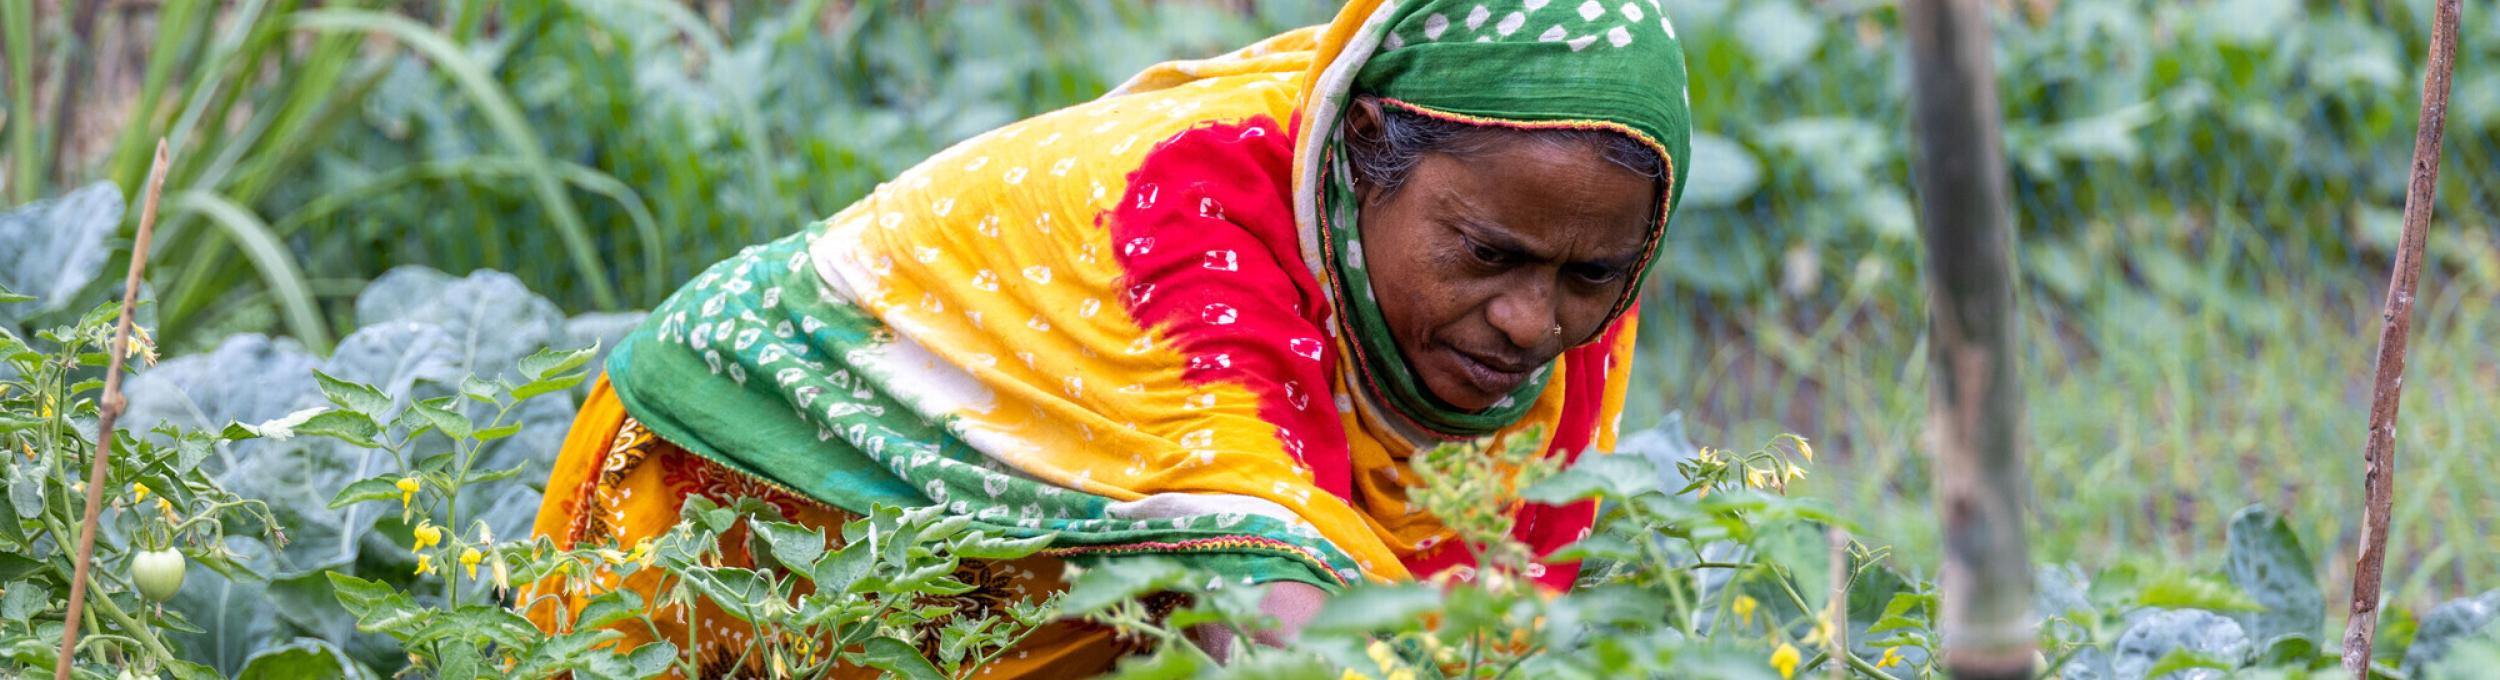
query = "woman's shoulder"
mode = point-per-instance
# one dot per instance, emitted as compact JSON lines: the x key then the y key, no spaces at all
{"x":1041,"y":191}
{"x":1104,"y":138}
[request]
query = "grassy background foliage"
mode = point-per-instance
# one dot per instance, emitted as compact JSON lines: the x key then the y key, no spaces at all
{"x":2207,"y":194}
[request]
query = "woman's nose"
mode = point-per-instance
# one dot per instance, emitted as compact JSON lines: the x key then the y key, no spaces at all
{"x":1525,"y":315}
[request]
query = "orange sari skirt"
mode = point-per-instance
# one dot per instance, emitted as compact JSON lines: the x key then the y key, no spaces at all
{"x":615,"y":484}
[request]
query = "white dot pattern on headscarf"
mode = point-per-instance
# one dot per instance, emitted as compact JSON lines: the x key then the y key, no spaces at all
{"x":1581,"y":26}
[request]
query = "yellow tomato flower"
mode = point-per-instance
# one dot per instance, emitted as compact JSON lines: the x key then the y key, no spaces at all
{"x":1796,"y":472}
{"x":1401,"y":674}
{"x":165,"y":506}
{"x":613,"y":556}
{"x":138,"y":492}
{"x":642,"y":552}
{"x":428,"y":535}
{"x":468,"y":560}
{"x":1744,"y":607}
{"x":1349,"y":674}
{"x":425,"y":564}
{"x":1785,"y":660}
{"x":407,"y":490}
{"x":1757,"y":477}
{"x":503,"y":574}
{"x":1892,"y":657}
{"x":140,"y":345}
{"x":1822,"y":633}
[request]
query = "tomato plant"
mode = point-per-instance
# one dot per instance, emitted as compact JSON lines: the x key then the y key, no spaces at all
{"x":161,"y":505}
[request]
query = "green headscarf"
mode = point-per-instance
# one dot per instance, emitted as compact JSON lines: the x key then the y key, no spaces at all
{"x":1530,"y":64}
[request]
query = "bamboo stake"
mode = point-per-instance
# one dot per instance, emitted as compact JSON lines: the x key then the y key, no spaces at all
{"x":2378,"y":477}
{"x":106,"y":412}
{"x":1975,"y":401}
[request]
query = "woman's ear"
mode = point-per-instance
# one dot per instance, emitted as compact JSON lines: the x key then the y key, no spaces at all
{"x":1362,"y":119}
{"x":1363,"y":127}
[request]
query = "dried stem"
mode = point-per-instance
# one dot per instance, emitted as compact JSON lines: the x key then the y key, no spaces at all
{"x":110,"y":409}
{"x":2379,"y":454}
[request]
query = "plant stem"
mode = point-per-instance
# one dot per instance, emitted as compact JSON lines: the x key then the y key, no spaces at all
{"x":105,"y":413}
{"x":1836,"y":607}
{"x":2379,"y":454}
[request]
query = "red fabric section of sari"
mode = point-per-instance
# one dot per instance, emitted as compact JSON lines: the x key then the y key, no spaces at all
{"x":1206,"y":236}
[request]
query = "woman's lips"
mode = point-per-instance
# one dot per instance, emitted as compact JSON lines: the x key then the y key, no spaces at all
{"x":1487,"y":376}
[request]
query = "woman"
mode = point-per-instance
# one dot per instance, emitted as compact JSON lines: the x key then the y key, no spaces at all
{"x":1207,"y":316}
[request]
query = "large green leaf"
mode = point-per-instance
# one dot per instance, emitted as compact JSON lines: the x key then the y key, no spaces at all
{"x":898,"y":658}
{"x":55,"y":248}
{"x":378,"y":606}
{"x":491,"y":319}
{"x":2153,"y":636}
{"x":235,"y":615}
{"x":2466,"y":660}
{"x":249,"y":378}
{"x":305,"y":659}
{"x":308,"y":605}
{"x":797,"y":547}
{"x":740,"y":593}
{"x":2265,"y":560}
{"x":2449,"y":624}
{"x":24,"y":600}
{"x":607,"y":608}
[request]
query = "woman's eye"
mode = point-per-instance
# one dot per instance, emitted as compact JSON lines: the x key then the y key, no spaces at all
{"x":1595,"y":275}
{"x":1486,"y":254}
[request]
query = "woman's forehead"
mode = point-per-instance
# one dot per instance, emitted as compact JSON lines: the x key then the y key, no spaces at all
{"x":1540,"y":186}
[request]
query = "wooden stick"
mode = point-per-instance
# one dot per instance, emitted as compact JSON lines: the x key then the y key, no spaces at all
{"x":110,"y":409}
{"x":1975,"y":400}
{"x":2378,"y":478}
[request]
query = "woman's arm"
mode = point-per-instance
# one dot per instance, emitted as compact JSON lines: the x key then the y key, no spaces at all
{"x":1293,"y":604}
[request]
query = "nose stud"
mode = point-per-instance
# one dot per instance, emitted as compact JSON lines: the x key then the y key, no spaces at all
{"x":1557,"y":329}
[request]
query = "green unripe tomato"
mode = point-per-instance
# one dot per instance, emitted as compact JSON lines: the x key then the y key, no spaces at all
{"x":158,"y":573}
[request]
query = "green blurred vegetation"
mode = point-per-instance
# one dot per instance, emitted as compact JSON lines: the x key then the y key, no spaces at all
{"x":2207,"y":195}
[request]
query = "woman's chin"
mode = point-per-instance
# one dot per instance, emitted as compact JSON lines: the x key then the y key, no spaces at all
{"x":1470,"y":391}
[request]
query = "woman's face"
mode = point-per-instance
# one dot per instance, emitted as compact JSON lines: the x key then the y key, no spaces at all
{"x":1489,"y":265}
